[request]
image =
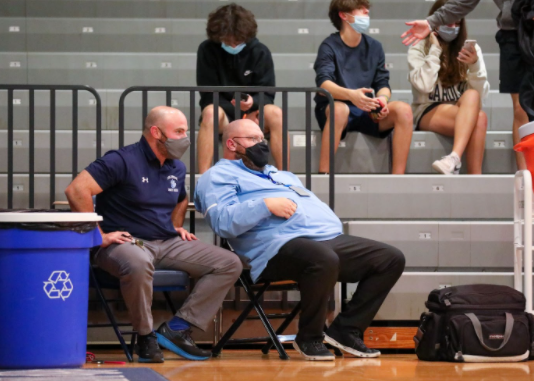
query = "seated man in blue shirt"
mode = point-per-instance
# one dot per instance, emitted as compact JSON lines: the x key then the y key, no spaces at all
{"x":140,"y":193}
{"x":351,"y":66}
{"x":289,"y":234}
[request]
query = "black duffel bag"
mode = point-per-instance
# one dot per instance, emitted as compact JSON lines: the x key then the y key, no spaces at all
{"x":475,"y":323}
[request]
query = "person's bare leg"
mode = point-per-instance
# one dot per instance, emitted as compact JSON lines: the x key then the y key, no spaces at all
{"x":466,"y":120}
{"x":520,"y":118}
{"x":440,"y":119}
{"x":341,"y":118}
{"x":401,"y":119}
{"x":477,"y":143}
{"x":205,"y":137}
{"x":273,"y":125}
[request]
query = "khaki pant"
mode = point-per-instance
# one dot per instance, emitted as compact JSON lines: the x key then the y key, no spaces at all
{"x":215,"y":269}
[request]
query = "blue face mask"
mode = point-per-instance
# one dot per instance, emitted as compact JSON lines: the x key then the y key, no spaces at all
{"x":360,"y":24}
{"x":235,"y":50}
{"x":448,"y":33}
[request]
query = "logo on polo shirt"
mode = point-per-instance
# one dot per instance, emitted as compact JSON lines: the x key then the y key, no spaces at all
{"x":144,"y":179}
{"x":173,"y":183}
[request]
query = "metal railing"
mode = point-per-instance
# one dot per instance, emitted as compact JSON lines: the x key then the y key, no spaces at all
{"x":10,"y":126}
{"x":216,"y":90}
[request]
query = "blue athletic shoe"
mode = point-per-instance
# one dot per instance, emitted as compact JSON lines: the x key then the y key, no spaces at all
{"x":181,"y":343}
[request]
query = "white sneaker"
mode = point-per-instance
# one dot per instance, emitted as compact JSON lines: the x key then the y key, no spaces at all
{"x":448,"y":165}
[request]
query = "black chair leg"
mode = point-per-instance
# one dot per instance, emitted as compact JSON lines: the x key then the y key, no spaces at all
{"x":132,"y":343}
{"x":268,"y":327}
{"x":216,"y":351}
{"x":169,"y":302}
{"x":110,"y":316}
{"x":265,"y":349}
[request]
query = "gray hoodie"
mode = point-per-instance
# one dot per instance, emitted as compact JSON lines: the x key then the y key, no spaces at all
{"x":454,"y":10}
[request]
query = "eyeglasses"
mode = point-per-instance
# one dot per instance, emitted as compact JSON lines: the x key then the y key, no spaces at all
{"x":253,"y":139}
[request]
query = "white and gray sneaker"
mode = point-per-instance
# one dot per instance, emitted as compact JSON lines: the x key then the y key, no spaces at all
{"x":448,"y":165}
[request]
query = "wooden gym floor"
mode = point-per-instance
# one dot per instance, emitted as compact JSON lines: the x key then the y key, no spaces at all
{"x":251,"y":365}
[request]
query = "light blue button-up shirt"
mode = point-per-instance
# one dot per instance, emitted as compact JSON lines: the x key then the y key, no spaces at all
{"x":230,"y":196}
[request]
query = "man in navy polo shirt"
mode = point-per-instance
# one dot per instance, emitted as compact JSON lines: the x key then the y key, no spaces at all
{"x":140,"y":193}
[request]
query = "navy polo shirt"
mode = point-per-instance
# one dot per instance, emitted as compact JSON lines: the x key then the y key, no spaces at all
{"x":139,"y":194}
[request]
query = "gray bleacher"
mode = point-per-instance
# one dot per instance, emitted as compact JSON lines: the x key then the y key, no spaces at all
{"x":453,"y":230}
{"x":121,"y":70}
{"x":497,"y":107}
{"x":356,"y":154}
{"x":362,"y":197}
{"x":199,"y":9}
{"x":184,"y":35}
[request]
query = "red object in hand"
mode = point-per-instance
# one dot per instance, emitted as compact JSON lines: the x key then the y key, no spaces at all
{"x":375,"y":113}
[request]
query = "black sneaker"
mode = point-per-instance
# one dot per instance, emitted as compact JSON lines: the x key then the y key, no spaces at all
{"x":313,"y":350}
{"x":181,"y":343}
{"x":349,"y":341}
{"x":147,"y":348}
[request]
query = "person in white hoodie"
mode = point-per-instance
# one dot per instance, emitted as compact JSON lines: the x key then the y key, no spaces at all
{"x":449,"y":82}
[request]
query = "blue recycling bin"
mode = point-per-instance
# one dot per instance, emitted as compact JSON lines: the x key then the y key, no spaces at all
{"x":44,"y":283}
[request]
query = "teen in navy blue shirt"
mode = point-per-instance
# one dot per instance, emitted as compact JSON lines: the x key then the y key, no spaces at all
{"x":140,"y":193}
{"x":351,"y":65}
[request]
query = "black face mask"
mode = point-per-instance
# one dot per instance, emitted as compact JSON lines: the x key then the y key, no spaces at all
{"x":258,"y":154}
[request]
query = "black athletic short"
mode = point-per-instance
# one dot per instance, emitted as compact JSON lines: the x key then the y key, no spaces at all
{"x":427,"y":110}
{"x":512,"y":68}
{"x":359,"y":120}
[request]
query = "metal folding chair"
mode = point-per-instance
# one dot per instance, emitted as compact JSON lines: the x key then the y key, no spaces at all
{"x":255,"y":293}
{"x":164,"y":281}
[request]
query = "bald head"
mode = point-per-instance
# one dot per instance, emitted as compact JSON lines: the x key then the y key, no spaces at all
{"x":242,"y":129}
{"x":163,"y":123}
{"x":162,"y":115}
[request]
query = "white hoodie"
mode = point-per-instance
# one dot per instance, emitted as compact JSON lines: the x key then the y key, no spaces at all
{"x":427,"y":88}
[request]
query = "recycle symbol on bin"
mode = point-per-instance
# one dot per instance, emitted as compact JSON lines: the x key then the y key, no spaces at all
{"x":58,"y":285}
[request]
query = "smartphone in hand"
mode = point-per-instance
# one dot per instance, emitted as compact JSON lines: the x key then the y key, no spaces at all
{"x":470,"y":45}
{"x":372,"y":95}
{"x":243,"y":96}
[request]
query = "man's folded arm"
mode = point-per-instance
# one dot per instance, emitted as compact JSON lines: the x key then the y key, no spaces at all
{"x":224,"y":213}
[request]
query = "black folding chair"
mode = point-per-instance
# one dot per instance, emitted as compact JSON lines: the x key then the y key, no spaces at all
{"x":164,"y":281}
{"x":255,"y":293}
